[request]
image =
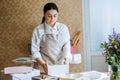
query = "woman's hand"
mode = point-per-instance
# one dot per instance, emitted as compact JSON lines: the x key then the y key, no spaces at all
{"x":43,"y":64}
{"x":45,"y":67}
{"x":66,"y":61}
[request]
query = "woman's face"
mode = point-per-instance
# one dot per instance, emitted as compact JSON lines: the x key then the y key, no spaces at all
{"x":51,"y":17}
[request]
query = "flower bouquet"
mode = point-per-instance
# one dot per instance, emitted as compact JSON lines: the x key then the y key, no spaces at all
{"x":112,"y":53}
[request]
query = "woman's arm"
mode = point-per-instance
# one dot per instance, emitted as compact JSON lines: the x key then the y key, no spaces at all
{"x":35,"y":48}
{"x":43,"y":64}
{"x":66,"y":46}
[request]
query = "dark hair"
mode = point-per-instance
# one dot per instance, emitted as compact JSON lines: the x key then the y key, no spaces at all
{"x":47,"y":7}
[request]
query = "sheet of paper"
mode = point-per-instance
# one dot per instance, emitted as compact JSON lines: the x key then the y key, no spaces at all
{"x":58,"y":70}
{"x":17,"y":69}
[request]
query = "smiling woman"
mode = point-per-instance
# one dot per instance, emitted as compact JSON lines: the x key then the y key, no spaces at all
{"x":50,"y":40}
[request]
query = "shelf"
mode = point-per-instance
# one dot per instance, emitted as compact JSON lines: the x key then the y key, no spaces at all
{"x":22,"y":60}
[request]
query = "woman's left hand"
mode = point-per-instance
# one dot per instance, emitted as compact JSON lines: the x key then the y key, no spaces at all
{"x":66,"y":61}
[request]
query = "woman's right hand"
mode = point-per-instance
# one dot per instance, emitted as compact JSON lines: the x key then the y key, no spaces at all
{"x":45,"y":67}
{"x":43,"y":64}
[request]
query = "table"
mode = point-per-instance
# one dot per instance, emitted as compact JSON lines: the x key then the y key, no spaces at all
{"x":90,"y":75}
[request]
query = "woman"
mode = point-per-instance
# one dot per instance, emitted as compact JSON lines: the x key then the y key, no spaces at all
{"x":50,"y":40}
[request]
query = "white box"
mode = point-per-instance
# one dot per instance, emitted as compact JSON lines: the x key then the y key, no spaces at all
{"x":76,"y":59}
{"x":26,"y":76}
{"x":57,"y":70}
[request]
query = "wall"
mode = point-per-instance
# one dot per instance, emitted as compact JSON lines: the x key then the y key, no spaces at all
{"x":18,"y":18}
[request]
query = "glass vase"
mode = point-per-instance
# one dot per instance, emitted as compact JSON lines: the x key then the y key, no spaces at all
{"x":115,"y":72}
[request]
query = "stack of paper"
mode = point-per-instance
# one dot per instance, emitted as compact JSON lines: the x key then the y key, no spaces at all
{"x":17,"y":70}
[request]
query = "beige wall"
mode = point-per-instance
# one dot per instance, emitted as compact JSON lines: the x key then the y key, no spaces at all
{"x":18,"y":18}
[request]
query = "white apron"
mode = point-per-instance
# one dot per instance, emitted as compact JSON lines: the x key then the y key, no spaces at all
{"x":51,"y":48}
